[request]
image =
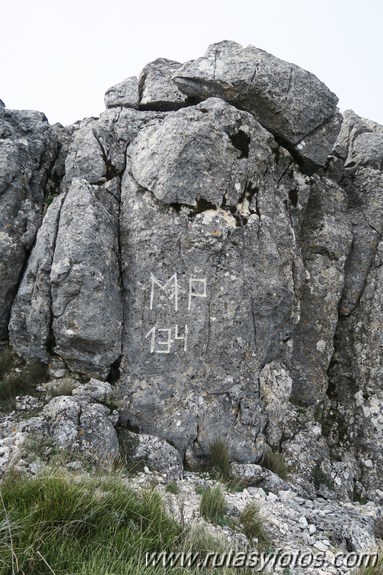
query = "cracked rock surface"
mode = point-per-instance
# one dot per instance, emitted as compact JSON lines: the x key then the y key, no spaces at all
{"x":211,"y":246}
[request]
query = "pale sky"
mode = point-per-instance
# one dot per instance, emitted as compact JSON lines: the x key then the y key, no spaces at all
{"x":61,"y":57}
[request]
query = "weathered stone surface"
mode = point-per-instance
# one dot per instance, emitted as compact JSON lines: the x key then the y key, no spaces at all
{"x":208,"y":263}
{"x":80,"y":425}
{"x":201,"y":154}
{"x":150,"y":451}
{"x":86,"y":158}
{"x":288,"y":101}
{"x":355,"y":382}
{"x":275,"y":386}
{"x":28,"y":150}
{"x":72,"y":284}
{"x":326,"y":241}
{"x":124,"y":94}
{"x":85,"y":283}
{"x":157,"y":91}
{"x":31,"y":318}
{"x":96,"y":152}
{"x":94,"y":390}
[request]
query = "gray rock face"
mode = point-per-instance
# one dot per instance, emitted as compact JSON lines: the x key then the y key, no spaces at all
{"x":288,"y":101}
{"x":355,"y":382}
{"x":209,"y":286}
{"x":151,"y":452}
{"x":31,"y":318}
{"x":83,"y":426}
{"x":326,"y":241}
{"x":28,"y":151}
{"x":84,"y":280}
{"x":191,"y":260}
{"x":157,"y":91}
{"x":75,"y":268}
{"x":124,"y":94}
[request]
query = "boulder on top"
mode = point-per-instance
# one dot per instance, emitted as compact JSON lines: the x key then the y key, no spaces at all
{"x":156,"y":87}
{"x":290,"y":102}
{"x":124,"y":94}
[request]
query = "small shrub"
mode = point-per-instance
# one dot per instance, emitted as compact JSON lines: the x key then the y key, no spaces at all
{"x":274,"y":461}
{"x":213,"y":505}
{"x":220,"y":459}
{"x":252,"y":523}
{"x":172,"y":487}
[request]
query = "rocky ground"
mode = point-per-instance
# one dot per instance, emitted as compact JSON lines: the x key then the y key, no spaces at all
{"x":79,"y":432}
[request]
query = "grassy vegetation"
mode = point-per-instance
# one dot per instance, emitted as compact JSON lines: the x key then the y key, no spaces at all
{"x":94,"y":526}
{"x":252,"y":524}
{"x":377,"y":570}
{"x":219,"y":459}
{"x":219,"y":456}
{"x":64,"y":387}
{"x":213,"y":505}
{"x":274,"y":461}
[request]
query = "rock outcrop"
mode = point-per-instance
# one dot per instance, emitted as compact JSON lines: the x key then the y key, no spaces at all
{"x":289,"y":102}
{"x":213,"y":249}
{"x":29,"y":172}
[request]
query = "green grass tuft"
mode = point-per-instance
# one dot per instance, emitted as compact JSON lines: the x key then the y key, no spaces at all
{"x":274,"y":461}
{"x":372,"y":570}
{"x":252,"y":523}
{"x":68,"y":525}
{"x":213,"y":505}
{"x":6,"y":361}
{"x":220,"y":459}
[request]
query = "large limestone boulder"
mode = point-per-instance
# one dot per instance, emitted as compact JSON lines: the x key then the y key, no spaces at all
{"x":75,"y":265}
{"x":212,"y":273}
{"x":82,"y":426}
{"x":288,"y":101}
